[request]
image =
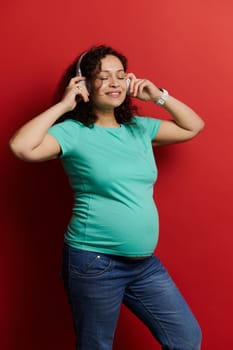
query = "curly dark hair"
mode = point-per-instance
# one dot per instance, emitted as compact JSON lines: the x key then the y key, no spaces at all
{"x":90,"y":64}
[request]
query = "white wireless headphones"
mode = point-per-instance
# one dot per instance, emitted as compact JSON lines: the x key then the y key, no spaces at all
{"x":78,"y":68}
{"x":79,"y":72}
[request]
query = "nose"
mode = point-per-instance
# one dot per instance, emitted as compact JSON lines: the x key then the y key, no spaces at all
{"x":114,"y":81}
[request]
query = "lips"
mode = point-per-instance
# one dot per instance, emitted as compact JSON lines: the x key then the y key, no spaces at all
{"x":114,"y":93}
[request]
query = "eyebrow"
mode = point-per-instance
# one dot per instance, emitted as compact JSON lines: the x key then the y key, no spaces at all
{"x":107,"y":71}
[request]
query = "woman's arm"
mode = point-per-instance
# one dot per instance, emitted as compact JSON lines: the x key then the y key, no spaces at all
{"x":32,"y":141}
{"x":185,"y":123}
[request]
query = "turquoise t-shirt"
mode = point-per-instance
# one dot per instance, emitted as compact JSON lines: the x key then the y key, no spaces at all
{"x":112,"y":172}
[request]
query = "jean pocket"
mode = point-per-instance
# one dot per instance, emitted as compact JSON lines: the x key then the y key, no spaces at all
{"x":89,"y":264}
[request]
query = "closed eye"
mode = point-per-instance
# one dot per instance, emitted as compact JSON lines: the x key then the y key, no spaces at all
{"x":106,"y":77}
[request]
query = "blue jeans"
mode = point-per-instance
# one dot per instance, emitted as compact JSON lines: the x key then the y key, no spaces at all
{"x":97,"y":284}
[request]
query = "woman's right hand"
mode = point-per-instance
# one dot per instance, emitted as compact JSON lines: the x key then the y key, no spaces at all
{"x":75,"y":92}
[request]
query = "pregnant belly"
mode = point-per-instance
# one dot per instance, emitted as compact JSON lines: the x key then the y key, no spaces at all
{"x":115,"y":229}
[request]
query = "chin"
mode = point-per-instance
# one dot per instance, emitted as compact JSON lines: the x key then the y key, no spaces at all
{"x":117,"y":102}
{"x":113,"y":103}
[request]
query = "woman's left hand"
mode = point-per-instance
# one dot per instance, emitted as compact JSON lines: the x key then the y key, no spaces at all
{"x":143,"y":89}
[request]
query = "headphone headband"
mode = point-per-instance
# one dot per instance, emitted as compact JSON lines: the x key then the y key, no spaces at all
{"x":79,"y":72}
{"x":78,"y":68}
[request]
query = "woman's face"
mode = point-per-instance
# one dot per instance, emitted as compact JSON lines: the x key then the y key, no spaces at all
{"x":109,"y":85}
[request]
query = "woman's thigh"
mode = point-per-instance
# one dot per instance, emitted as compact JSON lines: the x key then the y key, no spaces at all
{"x":156,"y":300}
{"x":95,"y":295}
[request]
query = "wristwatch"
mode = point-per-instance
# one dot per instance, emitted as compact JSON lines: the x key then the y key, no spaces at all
{"x":163,"y":98}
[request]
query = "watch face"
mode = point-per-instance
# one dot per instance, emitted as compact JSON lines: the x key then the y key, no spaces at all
{"x":163,"y":98}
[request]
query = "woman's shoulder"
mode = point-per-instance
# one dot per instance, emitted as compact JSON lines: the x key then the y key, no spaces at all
{"x":70,"y":123}
{"x":148,"y":125}
{"x":66,"y":128}
{"x":140,"y":119}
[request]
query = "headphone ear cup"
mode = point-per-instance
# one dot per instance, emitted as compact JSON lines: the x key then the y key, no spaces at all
{"x":127,"y":84}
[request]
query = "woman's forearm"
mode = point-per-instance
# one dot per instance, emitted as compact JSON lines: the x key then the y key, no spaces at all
{"x":183,"y":115}
{"x":185,"y":123}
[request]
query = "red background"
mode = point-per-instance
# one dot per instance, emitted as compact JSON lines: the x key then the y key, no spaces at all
{"x":184,"y":46}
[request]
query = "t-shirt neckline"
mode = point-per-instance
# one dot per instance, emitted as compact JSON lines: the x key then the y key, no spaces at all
{"x":108,"y":128}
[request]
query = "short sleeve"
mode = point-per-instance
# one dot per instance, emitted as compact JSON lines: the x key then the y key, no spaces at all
{"x":65,"y":134}
{"x":151,"y":125}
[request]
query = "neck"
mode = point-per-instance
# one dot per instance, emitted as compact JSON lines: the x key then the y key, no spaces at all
{"x":107,"y":119}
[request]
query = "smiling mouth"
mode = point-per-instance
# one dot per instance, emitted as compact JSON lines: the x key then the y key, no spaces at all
{"x":114,"y":93}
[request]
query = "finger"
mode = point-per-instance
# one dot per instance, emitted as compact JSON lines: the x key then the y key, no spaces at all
{"x":76,"y":80}
{"x":136,"y":85}
{"x":82,"y":92}
{"x":131,"y":76}
{"x":85,"y":97}
{"x":141,"y":86}
{"x":80,"y":88}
